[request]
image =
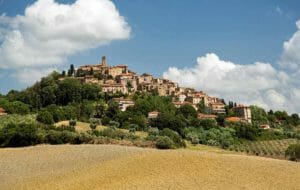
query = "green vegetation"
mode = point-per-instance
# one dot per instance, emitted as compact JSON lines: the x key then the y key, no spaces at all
{"x":34,"y":111}
{"x":269,"y":148}
{"x":293,"y":152}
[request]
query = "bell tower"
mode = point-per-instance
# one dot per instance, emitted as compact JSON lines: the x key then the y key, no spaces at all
{"x":103,"y":63}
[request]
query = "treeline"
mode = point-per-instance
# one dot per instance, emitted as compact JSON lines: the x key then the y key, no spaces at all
{"x":50,"y":91}
{"x":274,"y":119}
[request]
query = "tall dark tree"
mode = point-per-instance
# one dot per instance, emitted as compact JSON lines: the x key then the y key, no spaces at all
{"x":71,"y":70}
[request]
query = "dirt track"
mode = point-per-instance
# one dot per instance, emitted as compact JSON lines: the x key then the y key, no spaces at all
{"x":118,"y":167}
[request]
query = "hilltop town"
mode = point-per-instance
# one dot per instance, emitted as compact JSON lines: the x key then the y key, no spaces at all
{"x":119,"y":79}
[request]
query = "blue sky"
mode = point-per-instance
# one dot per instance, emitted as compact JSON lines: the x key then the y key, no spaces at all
{"x":174,"y":33}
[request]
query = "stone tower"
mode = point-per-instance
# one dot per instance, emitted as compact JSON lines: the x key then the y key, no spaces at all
{"x":103,"y":63}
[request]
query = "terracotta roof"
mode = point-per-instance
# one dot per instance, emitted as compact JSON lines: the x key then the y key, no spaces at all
{"x":233,"y":119}
{"x":2,"y":110}
{"x":208,"y":116}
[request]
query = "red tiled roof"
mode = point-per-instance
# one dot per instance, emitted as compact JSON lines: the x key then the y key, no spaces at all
{"x":233,"y":119}
{"x":2,"y":110}
{"x":209,"y":116}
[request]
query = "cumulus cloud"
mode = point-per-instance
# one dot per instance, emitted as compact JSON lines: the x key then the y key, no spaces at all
{"x":258,"y":83}
{"x":49,"y":32}
{"x":290,"y":58}
{"x":28,"y":76}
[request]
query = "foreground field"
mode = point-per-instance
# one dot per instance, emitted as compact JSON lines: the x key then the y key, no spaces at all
{"x":120,"y":167}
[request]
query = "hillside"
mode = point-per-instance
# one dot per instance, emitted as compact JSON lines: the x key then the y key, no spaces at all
{"x":118,"y":167}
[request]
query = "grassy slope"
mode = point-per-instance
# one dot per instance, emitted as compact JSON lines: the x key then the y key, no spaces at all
{"x":117,"y":167}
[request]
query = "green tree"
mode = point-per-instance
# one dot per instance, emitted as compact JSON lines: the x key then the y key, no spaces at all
{"x":112,"y":110}
{"x":71,"y":70}
{"x":259,"y":115}
{"x":293,"y":152}
{"x":69,"y":91}
{"x":201,"y":107}
{"x":57,"y":112}
{"x":90,"y":91}
{"x":20,"y":108}
{"x":187,"y":111}
{"x":15,"y":135}
{"x":45,"y":117}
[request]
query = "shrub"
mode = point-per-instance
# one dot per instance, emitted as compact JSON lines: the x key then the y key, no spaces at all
{"x":153,"y":131}
{"x":213,"y":142}
{"x":65,"y":128}
{"x":115,"y":134}
{"x":15,"y":135}
{"x":53,"y":137}
{"x":164,"y":143}
{"x":293,"y":152}
{"x":45,"y":117}
{"x":114,"y":124}
{"x":93,"y":126}
{"x":72,"y":122}
{"x":195,"y":140}
{"x":95,"y":121}
{"x":174,"y":136}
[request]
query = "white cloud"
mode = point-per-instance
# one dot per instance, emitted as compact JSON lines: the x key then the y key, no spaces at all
{"x":29,"y":76}
{"x":290,"y":58}
{"x":49,"y":32}
{"x":258,"y":83}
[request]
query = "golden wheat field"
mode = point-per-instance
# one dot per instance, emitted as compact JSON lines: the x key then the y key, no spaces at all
{"x":91,"y":167}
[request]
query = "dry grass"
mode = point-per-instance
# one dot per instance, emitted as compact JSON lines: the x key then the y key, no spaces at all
{"x":80,"y":126}
{"x":118,"y":167}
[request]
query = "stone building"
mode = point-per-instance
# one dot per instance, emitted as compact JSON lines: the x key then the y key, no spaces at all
{"x":124,"y":103}
{"x":217,"y":108}
{"x":244,"y":112}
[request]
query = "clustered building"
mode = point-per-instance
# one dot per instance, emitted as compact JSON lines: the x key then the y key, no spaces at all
{"x":119,"y":79}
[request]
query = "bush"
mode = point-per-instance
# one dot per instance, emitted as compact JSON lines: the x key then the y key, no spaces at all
{"x":15,"y":135}
{"x":95,"y":121}
{"x":115,"y":134}
{"x":62,"y":137}
{"x":93,"y":126}
{"x":72,"y":123}
{"x":174,"y":136}
{"x":153,"y":131}
{"x":293,"y":152}
{"x":65,"y":128}
{"x":244,"y":130}
{"x":45,"y":117}
{"x":164,"y":143}
{"x":114,"y":124}
{"x":195,"y":140}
